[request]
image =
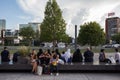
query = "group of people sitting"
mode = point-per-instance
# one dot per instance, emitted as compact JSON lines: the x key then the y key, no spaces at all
{"x":110,"y":59}
{"x":49,"y":60}
{"x":46,"y":60}
{"x":40,"y":58}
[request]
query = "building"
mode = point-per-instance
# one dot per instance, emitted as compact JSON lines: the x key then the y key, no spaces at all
{"x":2,"y":26}
{"x":35,"y":26}
{"x":7,"y":36}
{"x":112,"y":27}
{"x":8,"y":33}
{"x":23,"y":25}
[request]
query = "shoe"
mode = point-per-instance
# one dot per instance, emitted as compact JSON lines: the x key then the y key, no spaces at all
{"x":35,"y":73}
{"x":51,"y":74}
{"x":57,"y":74}
{"x":32,"y":72}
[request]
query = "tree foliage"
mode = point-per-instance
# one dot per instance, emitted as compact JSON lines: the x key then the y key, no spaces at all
{"x":27,"y":33}
{"x":91,"y":34}
{"x":116,"y":38}
{"x":53,"y":26}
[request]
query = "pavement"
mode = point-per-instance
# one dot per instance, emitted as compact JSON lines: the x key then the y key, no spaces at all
{"x":61,"y":76}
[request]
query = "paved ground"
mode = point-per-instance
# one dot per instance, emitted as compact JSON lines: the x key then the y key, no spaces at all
{"x":62,"y":76}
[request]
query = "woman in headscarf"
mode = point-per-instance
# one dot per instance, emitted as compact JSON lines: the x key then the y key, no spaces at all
{"x":77,"y":56}
{"x":67,"y":56}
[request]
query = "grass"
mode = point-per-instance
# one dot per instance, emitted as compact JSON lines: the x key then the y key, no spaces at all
{"x":107,"y":50}
{"x":13,"y":49}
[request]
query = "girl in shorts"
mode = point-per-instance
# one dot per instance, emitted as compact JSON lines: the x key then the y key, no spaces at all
{"x":34,"y":61}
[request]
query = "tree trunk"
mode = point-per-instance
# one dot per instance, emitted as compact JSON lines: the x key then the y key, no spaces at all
{"x":90,"y":47}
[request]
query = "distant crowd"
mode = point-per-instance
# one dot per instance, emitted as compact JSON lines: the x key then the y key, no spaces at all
{"x":49,"y":60}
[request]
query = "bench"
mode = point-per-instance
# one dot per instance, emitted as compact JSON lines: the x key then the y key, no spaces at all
{"x":75,"y":67}
{"x":88,"y":67}
{"x":15,"y":67}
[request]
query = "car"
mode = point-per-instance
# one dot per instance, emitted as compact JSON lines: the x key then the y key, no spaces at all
{"x":46,"y":44}
{"x":107,"y":46}
{"x":61,"y":45}
{"x":115,"y":45}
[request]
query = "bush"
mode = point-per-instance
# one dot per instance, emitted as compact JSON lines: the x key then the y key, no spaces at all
{"x":23,"y":50}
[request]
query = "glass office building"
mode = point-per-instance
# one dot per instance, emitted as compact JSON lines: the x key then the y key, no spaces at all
{"x":2,"y":25}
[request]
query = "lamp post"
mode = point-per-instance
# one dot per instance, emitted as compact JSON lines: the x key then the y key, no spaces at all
{"x":75,"y":37}
{"x":3,"y":36}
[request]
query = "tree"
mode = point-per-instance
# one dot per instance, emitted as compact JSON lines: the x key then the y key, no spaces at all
{"x":27,"y":33}
{"x":91,"y":34}
{"x":53,"y":26}
{"x":116,"y":38}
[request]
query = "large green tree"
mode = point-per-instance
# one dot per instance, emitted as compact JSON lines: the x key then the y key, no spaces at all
{"x":27,"y":34}
{"x":116,"y":38}
{"x":53,"y":26}
{"x":91,"y":34}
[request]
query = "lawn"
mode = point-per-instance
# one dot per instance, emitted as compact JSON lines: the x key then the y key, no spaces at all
{"x":13,"y":49}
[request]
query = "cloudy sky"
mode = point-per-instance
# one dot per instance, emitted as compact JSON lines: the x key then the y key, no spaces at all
{"x":74,"y":11}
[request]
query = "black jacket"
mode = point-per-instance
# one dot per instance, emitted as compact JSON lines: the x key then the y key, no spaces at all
{"x":77,"y":56}
{"x":88,"y":55}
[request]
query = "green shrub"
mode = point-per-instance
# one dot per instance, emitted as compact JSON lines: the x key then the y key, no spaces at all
{"x":24,"y":51}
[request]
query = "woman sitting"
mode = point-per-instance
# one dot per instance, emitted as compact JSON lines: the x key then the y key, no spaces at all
{"x":44,"y":61}
{"x":102,"y":57}
{"x":34,"y":61}
{"x":54,"y":63}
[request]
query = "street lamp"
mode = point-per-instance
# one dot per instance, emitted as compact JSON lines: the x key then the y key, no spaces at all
{"x":3,"y":35}
{"x":75,"y":37}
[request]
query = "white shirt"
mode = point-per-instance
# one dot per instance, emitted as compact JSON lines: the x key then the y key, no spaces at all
{"x":117,"y":56}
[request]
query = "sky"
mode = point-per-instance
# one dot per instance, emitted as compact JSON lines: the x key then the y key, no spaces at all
{"x":75,"y":12}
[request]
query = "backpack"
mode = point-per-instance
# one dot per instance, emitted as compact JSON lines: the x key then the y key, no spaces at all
{"x":112,"y":60}
{"x":15,"y":57}
{"x":101,"y":57}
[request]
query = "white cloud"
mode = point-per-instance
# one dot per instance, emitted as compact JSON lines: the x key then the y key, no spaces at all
{"x":33,"y":7}
{"x":24,"y":17}
{"x":74,"y":11}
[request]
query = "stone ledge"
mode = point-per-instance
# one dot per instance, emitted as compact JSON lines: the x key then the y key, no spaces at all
{"x":15,"y":67}
{"x":76,"y":67}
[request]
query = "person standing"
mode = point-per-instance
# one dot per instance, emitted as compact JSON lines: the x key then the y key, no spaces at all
{"x":5,"y":55}
{"x":88,"y":55}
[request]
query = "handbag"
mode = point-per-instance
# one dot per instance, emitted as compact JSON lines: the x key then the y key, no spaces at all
{"x":39,"y":70}
{"x":112,"y":60}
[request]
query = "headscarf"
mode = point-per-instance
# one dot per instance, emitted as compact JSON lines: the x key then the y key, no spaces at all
{"x":67,"y":55}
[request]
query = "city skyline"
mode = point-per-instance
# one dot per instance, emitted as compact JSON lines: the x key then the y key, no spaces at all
{"x":75,"y":12}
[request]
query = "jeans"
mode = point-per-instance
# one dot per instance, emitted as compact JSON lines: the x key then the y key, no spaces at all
{"x":54,"y":69}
